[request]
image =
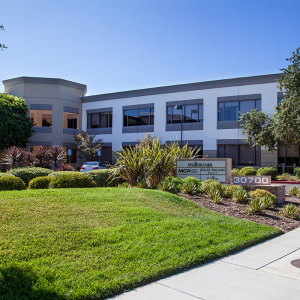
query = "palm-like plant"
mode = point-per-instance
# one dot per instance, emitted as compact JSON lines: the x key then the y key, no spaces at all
{"x":41,"y":155}
{"x":57,"y":154}
{"x":13,"y":155}
{"x":28,"y":159}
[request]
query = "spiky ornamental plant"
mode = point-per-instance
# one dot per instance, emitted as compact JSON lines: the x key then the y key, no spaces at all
{"x":13,"y":155}
{"x":28,"y":159}
{"x":41,"y":156}
{"x":57,"y":154}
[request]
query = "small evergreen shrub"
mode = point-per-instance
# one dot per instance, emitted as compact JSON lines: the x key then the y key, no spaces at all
{"x":189,"y":187}
{"x":268,"y":171}
{"x":209,"y":184}
{"x":240,"y":196}
{"x":297,"y":172}
{"x":268,"y":202}
{"x":235,"y":172}
{"x":294,"y":191}
{"x":28,"y":173}
{"x":230,"y":189}
{"x":248,"y":171}
{"x":193,"y":180}
{"x":217,"y":198}
{"x":167,"y":186}
{"x":290,"y":211}
{"x":5,"y":174}
{"x":142,"y":184}
{"x":255,"y":206}
{"x":9,"y":183}
{"x":124,"y":185}
{"x":72,"y":180}
{"x":259,"y":193}
{"x":58,"y":173}
{"x":39,"y":182}
{"x":285,"y":177}
{"x":103,"y":177}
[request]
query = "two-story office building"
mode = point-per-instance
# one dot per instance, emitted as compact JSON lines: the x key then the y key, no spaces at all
{"x":203,"y":114}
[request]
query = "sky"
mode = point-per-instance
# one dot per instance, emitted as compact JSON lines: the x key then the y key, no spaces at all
{"x":120,"y":45}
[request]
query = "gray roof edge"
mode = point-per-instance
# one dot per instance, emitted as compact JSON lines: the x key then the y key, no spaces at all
{"x":44,"y":80}
{"x":259,"y":79}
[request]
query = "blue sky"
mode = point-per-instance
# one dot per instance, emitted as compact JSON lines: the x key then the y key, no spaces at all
{"x":117,"y":45}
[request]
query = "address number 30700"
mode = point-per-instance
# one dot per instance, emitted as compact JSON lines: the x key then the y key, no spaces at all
{"x":252,"y":180}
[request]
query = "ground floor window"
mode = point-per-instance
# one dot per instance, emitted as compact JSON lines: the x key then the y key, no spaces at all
{"x":243,"y":155}
{"x":289,"y":155}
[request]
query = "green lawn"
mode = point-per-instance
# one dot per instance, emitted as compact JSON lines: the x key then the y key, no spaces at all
{"x":94,"y":243}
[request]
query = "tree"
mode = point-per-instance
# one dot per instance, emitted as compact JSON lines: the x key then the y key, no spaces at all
{"x":13,"y":155}
{"x":56,"y":155}
{"x":2,"y":46}
{"x":15,"y":125}
{"x":284,"y":127}
{"x":86,"y":144}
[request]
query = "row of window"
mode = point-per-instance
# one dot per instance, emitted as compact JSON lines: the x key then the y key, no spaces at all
{"x":176,"y":114}
{"x":43,"y":118}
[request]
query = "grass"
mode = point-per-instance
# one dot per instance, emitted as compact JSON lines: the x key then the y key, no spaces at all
{"x":95,"y":243}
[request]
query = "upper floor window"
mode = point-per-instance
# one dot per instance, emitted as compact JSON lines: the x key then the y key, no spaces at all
{"x":231,"y":110}
{"x":280,"y":99}
{"x":138,"y":117}
{"x":99,"y":120}
{"x":71,"y":120}
{"x":188,"y":113}
{"x":41,"y":118}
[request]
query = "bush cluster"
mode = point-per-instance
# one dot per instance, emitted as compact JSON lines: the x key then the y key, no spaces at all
{"x":248,"y":171}
{"x":28,"y":173}
{"x":104,"y":177}
{"x":71,"y":180}
{"x":9,"y":183}
{"x":39,"y":182}
{"x":268,"y":171}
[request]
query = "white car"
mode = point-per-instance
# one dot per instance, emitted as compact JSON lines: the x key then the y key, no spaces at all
{"x":91,"y":166}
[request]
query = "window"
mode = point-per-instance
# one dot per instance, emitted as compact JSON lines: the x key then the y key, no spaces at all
{"x":41,"y":118}
{"x":138,"y":117}
{"x":191,"y":113}
{"x":231,"y":110}
{"x":99,"y":120}
{"x":245,"y":155}
{"x":279,"y":100}
{"x":70,"y":120}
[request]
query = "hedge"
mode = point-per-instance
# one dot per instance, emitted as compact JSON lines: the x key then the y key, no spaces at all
{"x":71,"y":180}
{"x":39,"y":182}
{"x":9,"y":183}
{"x":28,"y":173}
{"x":103,"y":178}
{"x":268,"y":171}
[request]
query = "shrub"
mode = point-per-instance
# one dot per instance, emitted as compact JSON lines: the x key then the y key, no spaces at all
{"x":28,"y":173}
{"x":124,"y":185}
{"x":217,"y":198}
{"x":176,"y":181}
{"x":297,"y":172}
{"x":255,"y":206}
{"x":268,"y":202}
{"x":259,"y":193}
{"x":268,"y":171}
{"x":290,"y":211}
{"x":9,"y":183}
{"x":230,"y":189}
{"x":39,"y":182}
{"x":191,"y":179}
{"x":285,"y":177}
{"x":71,"y":180}
{"x":167,"y":186}
{"x":235,"y":172}
{"x":240,"y":196}
{"x":142,"y":184}
{"x":55,"y":174}
{"x":248,"y":171}
{"x":213,"y":191}
{"x":5,"y":174}
{"x":189,"y":188}
{"x":211,"y":184}
{"x":103,"y":177}
{"x":294,"y":191}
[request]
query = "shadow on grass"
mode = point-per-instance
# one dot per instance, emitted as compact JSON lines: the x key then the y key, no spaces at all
{"x":16,"y":283}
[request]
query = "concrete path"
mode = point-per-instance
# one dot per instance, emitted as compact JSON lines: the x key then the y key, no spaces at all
{"x":261,"y":272}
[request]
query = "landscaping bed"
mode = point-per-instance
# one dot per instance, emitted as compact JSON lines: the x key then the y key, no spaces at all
{"x":239,"y":210}
{"x":97,"y":242}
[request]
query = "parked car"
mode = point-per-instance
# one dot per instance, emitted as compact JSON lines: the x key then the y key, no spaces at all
{"x":90,"y":166}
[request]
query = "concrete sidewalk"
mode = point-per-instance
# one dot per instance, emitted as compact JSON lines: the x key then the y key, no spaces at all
{"x":261,"y":272}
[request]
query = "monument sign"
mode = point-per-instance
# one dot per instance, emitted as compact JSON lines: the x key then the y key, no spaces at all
{"x":205,"y":168}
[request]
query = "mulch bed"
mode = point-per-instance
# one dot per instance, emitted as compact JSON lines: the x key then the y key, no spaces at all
{"x":238,"y":210}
